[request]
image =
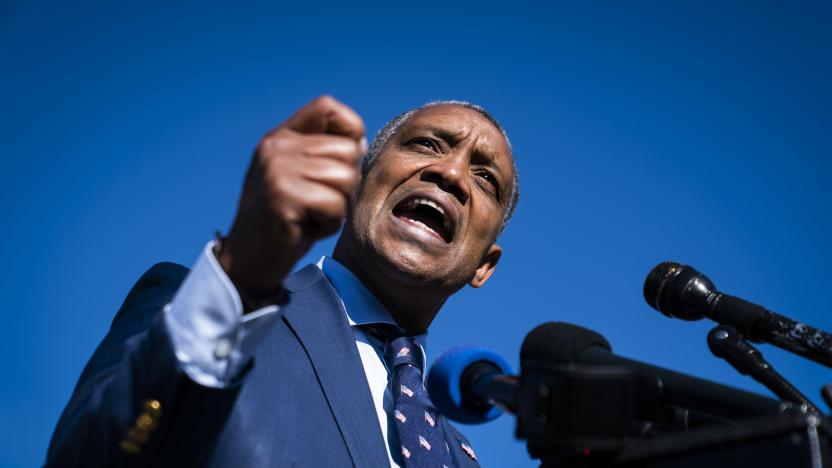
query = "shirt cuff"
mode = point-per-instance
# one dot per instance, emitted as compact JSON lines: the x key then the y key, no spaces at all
{"x":213,"y":341}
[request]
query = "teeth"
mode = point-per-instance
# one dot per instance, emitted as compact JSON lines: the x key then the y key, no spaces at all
{"x":422,"y":225}
{"x":424,"y":201}
{"x":446,"y":223}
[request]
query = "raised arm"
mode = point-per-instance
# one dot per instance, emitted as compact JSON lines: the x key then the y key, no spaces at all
{"x":159,"y":387}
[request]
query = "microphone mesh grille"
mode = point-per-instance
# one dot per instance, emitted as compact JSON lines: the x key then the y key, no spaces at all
{"x":655,"y":281}
{"x":559,"y":343}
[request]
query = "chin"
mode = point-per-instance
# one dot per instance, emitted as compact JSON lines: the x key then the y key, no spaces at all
{"x":403,"y":260}
{"x":409,"y":265}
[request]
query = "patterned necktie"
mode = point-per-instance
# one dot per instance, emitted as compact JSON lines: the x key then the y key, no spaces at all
{"x":420,"y":434}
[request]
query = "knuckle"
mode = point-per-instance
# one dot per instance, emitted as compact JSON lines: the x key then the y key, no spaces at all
{"x":352,"y":177}
{"x":340,"y":204}
{"x":355,"y":148}
{"x":279,"y":186}
{"x":357,"y":154}
{"x":325,"y":101}
{"x":285,"y":215}
{"x":267,"y":145}
{"x":274,"y":146}
{"x":322,"y":104}
{"x":349,"y":149}
{"x":359,"y":123}
{"x":344,"y":174}
{"x":334,"y":205}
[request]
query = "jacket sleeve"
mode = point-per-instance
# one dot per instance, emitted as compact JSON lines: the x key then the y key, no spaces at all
{"x":132,"y":405}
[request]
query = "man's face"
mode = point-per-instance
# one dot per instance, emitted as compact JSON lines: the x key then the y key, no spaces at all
{"x":431,"y":207}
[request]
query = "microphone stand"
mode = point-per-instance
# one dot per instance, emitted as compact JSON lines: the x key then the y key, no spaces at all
{"x":724,"y":342}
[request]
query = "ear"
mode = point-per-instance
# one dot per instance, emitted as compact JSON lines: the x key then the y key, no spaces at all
{"x":487,"y":266}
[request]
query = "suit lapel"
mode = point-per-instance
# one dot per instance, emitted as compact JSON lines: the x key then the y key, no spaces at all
{"x":314,"y":312}
{"x":462,"y":455}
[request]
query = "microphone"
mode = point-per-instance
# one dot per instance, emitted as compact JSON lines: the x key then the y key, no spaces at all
{"x":471,"y":385}
{"x":679,"y":291}
{"x":724,"y":342}
{"x":696,"y":401}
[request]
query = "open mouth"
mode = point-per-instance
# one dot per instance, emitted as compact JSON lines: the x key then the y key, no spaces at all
{"x":427,"y":215}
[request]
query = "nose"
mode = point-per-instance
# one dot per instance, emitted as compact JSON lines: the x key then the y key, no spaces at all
{"x":451,"y":175}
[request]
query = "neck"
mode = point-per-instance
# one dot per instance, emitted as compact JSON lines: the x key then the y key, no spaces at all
{"x":413,"y":308}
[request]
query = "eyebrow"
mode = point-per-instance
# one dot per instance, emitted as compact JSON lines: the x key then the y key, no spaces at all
{"x":447,"y":135}
{"x":453,"y":138}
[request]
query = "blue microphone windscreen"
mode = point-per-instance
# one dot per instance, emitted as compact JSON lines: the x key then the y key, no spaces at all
{"x":444,"y":379}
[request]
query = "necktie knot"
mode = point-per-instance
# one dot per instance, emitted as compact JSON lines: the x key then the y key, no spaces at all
{"x":404,"y":350}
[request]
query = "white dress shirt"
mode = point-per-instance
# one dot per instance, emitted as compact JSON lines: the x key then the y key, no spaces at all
{"x":214,"y":341}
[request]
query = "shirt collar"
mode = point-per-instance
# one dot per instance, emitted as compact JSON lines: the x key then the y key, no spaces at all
{"x":360,"y":306}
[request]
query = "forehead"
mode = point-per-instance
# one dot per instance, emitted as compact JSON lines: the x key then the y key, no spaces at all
{"x":461,"y":124}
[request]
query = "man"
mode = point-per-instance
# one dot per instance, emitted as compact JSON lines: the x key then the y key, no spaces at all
{"x":239,"y":363}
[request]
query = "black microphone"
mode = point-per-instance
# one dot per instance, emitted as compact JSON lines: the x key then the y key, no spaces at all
{"x":679,"y":291}
{"x":699,"y":401}
{"x":724,"y":342}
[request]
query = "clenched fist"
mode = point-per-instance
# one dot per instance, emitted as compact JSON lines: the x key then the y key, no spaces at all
{"x":297,"y":190}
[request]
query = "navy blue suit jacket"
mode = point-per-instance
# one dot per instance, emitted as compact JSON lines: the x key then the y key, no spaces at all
{"x":304,"y":402}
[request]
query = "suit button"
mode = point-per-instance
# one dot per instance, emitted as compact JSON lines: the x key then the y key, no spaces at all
{"x":138,"y":436}
{"x":153,"y":407}
{"x":130,"y":447}
{"x":145,"y":421}
{"x":145,"y":424}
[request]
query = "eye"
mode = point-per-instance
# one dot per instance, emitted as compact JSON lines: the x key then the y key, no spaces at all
{"x":491,"y":179}
{"x":425,"y":143}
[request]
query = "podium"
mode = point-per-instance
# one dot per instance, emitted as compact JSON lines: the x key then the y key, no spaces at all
{"x":777,"y":441}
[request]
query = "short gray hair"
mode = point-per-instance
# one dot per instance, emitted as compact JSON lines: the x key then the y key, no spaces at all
{"x":391,"y":127}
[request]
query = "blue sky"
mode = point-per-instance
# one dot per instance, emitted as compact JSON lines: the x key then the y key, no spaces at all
{"x":644,"y":131}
